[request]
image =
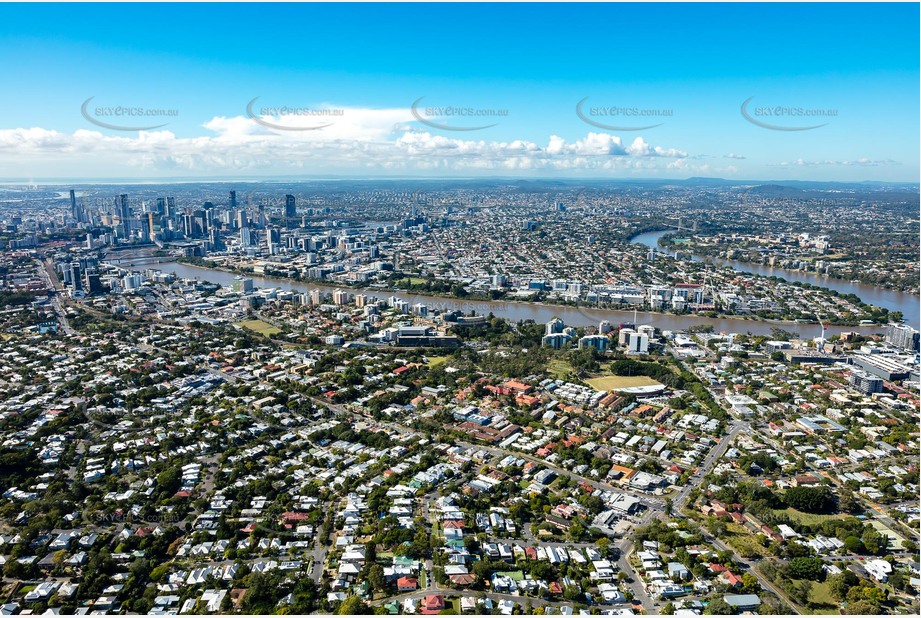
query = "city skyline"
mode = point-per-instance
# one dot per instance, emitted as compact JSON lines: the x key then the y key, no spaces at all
{"x":695,"y":93}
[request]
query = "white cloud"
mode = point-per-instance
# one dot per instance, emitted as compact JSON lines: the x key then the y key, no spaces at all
{"x":357,"y":141}
{"x":733,"y":155}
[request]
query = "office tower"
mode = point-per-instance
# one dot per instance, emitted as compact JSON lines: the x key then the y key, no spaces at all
{"x":290,"y":209}
{"x":233,"y":200}
{"x":216,"y":240}
{"x":76,"y":278}
{"x":170,"y":207}
{"x":161,"y":206}
{"x":273,"y":239}
{"x":246,"y":237}
{"x":604,"y":327}
{"x":149,"y":226}
{"x":76,"y":210}
{"x":122,"y":209}
{"x":93,"y":284}
{"x":188,"y":225}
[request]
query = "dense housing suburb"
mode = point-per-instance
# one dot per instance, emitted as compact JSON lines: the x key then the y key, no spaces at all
{"x":312,"y":402}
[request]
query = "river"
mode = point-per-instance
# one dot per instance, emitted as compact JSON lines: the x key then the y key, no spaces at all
{"x":515,"y":311}
{"x":908,"y":304}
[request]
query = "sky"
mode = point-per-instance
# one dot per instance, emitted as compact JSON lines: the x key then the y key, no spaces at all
{"x":736,"y":91}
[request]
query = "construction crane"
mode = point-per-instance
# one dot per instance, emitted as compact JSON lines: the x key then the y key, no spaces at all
{"x":820,"y":340}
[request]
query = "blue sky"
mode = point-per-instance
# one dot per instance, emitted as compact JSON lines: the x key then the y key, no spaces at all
{"x":687,"y":68}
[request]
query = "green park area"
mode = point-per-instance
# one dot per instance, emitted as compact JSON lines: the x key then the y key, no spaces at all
{"x":258,"y":326}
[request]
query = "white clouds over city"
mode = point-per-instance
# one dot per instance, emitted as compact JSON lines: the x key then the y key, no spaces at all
{"x":353,"y":141}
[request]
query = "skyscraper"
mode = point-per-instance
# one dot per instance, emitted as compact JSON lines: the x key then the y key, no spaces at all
{"x":122,"y":209}
{"x":76,"y":277}
{"x":290,"y":209}
{"x":123,"y":212}
{"x":233,"y":199}
{"x":272,"y":239}
{"x":75,"y":211}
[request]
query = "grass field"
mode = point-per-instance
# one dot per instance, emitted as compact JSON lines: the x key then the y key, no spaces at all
{"x":805,"y":518}
{"x":559,"y":368}
{"x":258,"y":326}
{"x":609,"y":383}
{"x":436,"y":361}
{"x":820,"y":594}
{"x":411,"y":281}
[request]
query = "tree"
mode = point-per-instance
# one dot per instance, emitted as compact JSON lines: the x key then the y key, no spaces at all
{"x":810,"y":499}
{"x":839,"y":584}
{"x":853,"y":545}
{"x":806,"y":568}
{"x":668,"y":609}
{"x":861,"y":608}
{"x":874,"y":541}
{"x":376,"y":578}
{"x":354,"y":606}
{"x":571,"y":593}
{"x":719,"y":607}
{"x":750,"y":584}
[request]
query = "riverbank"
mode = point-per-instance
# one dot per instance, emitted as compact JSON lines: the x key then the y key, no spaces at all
{"x":909,"y":305}
{"x":515,"y":310}
{"x":460,"y":300}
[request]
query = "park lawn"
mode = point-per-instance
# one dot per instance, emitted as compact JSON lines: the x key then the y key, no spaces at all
{"x":412,"y":281}
{"x":437,"y":361}
{"x":806,"y":518}
{"x":559,"y":368}
{"x":258,"y":326}
{"x":610,"y":383}
{"x":820,"y":594}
